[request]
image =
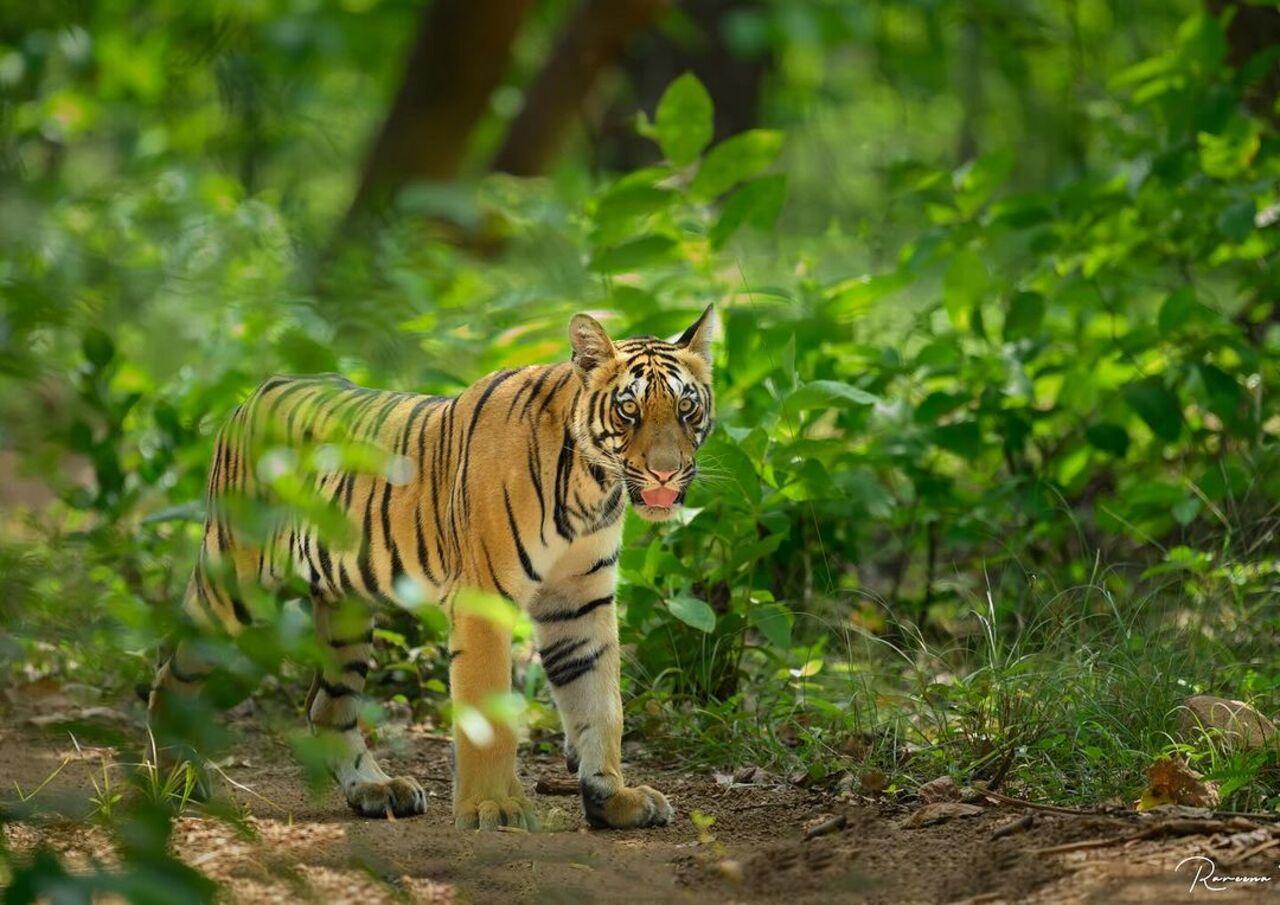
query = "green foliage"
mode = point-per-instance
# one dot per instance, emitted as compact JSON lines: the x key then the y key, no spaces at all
{"x":995,"y":470}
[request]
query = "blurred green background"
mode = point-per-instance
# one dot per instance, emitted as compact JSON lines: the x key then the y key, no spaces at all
{"x":996,"y":476}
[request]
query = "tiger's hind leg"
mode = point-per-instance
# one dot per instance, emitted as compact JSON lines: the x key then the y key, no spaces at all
{"x":177,"y":712}
{"x":346,"y":632}
{"x":179,"y":705}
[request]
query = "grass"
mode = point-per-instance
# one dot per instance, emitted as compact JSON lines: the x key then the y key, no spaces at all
{"x":1070,"y":707}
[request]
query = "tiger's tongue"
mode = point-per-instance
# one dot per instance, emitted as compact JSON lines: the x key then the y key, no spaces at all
{"x":662,"y":497}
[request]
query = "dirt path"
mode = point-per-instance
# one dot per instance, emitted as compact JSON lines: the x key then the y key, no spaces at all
{"x":755,"y":851}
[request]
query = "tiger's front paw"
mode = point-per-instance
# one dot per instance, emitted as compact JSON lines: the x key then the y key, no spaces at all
{"x":625,"y":808}
{"x":399,"y":797}
{"x":490,"y":813}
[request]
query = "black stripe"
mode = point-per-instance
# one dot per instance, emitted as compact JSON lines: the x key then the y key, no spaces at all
{"x":534,"y":390}
{"x":612,"y":511}
{"x":493,"y":577}
{"x":564,"y":468}
{"x":554,"y":653}
{"x":604,"y":563}
{"x":535,"y":473}
{"x":347,"y":726}
{"x":471,"y":429}
{"x":569,"y":615}
{"x":546,"y":403}
{"x":521,"y":552}
{"x":364,"y":561}
{"x":572,"y":670}
{"x":336,"y":690}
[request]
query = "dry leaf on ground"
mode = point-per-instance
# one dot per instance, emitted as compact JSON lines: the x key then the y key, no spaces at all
{"x":1171,"y":781}
{"x":938,"y":812}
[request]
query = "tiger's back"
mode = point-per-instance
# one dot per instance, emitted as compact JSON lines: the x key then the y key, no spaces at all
{"x":417,"y":496}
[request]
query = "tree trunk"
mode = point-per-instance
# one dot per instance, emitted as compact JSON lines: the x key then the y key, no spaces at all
{"x":460,"y":55}
{"x":734,"y":80}
{"x":1253,"y":29}
{"x":593,"y":41}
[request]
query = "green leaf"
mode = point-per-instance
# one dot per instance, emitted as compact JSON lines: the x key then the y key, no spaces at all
{"x":622,"y":203}
{"x":632,"y":255}
{"x":1157,"y":405}
{"x":937,"y":404}
{"x":1182,"y":310}
{"x":683,"y":121}
{"x":1025,"y":316}
{"x":758,"y":204}
{"x":736,"y":467}
{"x":963,"y":287}
{"x":825,"y":394}
{"x":98,"y":348}
{"x":978,"y":179}
{"x":1109,"y":438}
{"x":964,"y":438}
{"x":1224,"y":393}
{"x":1230,"y":153}
{"x":744,"y":156}
{"x":1236,"y":220}
{"x":773,"y":621}
{"x":692,"y":611}
{"x":855,"y":297}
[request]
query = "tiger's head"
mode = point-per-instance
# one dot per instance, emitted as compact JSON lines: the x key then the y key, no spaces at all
{"x":645,"y":409}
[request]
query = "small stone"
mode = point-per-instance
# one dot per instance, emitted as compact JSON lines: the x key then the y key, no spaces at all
{"x":1234,"y":722}
{"x":730,"y":869}
{"x":941,"y":789}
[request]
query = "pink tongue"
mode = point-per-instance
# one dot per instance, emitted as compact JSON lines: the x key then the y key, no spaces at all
{"x":662,"y":497}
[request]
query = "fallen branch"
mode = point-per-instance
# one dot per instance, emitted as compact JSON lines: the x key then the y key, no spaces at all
{"x":556,"y":787}
{"x":1023,"y":803}
{"x":1256,"y":850}
{"x":1021,"y":825}
{"x":1156,"y":831}
{"x":1078,"y":846}
{"x":826,"y":827}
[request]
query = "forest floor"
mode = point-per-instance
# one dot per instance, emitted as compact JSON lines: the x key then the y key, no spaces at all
{"x":304,"y":846}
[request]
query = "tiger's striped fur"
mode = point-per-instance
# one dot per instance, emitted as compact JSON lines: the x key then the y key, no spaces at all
{"x":517,"y":486}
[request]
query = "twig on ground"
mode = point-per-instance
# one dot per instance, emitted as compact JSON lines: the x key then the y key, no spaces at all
{"x":1021,"y":825}
{"x":1156,"y":831}
{"x":1256,"y":850}
{"x":547,"y":786}
{"x":1080,"y":846}
{"x":1023,"y":803}
{"x":826,"y":827}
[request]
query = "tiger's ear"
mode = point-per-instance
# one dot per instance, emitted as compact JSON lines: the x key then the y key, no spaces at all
{"x":592,"y":346}
{"x":701,"y":333}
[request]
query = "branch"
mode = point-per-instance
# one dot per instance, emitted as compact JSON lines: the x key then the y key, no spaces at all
{"x":591,"y":43}
{"x":461,"y":53}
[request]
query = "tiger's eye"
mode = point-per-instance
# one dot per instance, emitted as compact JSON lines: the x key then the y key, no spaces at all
{"x":686,"y":406}
{"x":629,"y":408}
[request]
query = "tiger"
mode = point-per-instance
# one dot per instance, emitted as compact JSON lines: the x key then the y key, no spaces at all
{"x":518,"y":486}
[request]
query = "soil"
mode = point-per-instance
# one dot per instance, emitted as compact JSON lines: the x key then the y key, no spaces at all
{"x":307,"y":846}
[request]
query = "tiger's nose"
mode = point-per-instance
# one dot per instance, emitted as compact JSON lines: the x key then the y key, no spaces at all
{"x":662,"y":476}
